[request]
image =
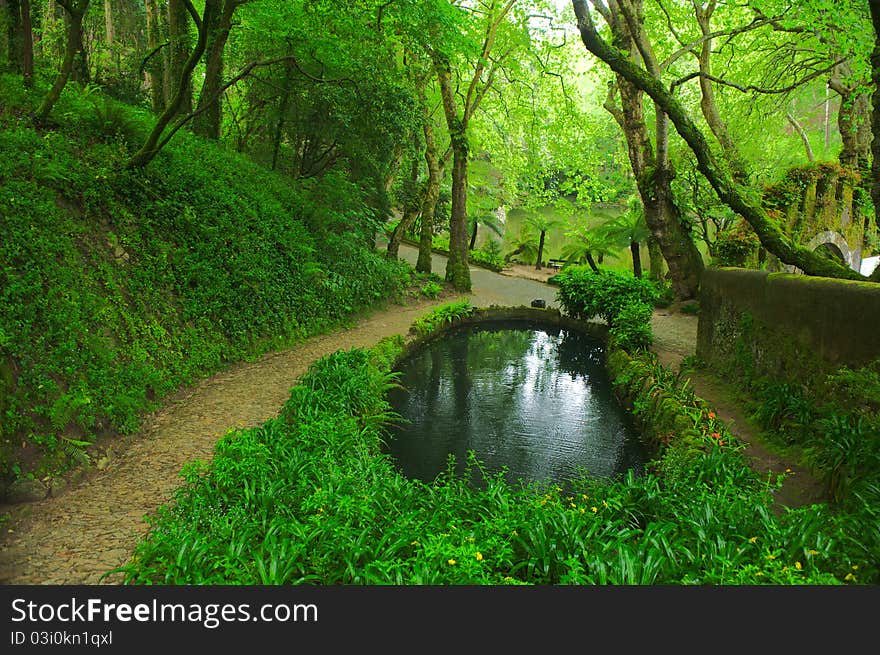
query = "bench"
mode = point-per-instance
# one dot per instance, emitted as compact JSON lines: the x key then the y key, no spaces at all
{"x":556,"y":263}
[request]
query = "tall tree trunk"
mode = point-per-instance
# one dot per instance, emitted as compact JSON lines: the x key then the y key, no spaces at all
{"x":656,"y":263}
{"x":79,"y":72}
{"x":282,"y":113}
{"x":473,"y":241}
{"x":636,"y":257}
{"x":11,"y":20}
{"x":27,"y":44}
{"x":152,"y":145}
{"x":75,"y":10}
{"x":853,"y":123}
{"x":457,"y":271}
{"x":207,"y":123}
{"x":429,"y":202}
{"x":410,"y":211}
{"x":154,"y":69}
{"x":178,"y":55}
{"x":708,"y":106}
{"x":729,"y":192}
{"x":109,"y":32}
{"x":651,"y":168}
{"x":875,"y":121}
{"x":802,"y":134}
{"x":538,"y":261}
{"x":49,"y":46}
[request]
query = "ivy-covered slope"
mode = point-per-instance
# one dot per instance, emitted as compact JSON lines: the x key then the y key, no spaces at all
{"x":117,"y":287}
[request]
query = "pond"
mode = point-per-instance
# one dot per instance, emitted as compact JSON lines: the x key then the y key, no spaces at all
{"x":533,"y":401}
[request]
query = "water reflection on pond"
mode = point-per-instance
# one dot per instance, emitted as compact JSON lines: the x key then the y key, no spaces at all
{"x":535,"y":400}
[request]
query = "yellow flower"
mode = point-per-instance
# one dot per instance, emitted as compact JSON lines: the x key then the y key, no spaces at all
{"x":583,"y":511}
{"x":604,"y":504}
{"x":850,"y":576}
{"x":752,"y":540}
{"x":479,"y":556}
{"x":514,"y":533}
{"x":470,"y":540}
{"x":771,"y":556}
{"x":594,"y":509}
{"x":812,"y":552}
{"x":855,"y":567}
{"x":451,"y":562}
{"x":760,"y":574}
{"x":797,"y":565}
{"x":414,"y":543}
{"x":507,"y":578}
{"x":584,"y":496}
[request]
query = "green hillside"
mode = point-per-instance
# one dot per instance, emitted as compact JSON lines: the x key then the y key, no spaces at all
{"x":118,"y":286}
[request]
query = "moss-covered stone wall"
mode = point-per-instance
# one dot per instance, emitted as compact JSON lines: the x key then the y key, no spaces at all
{"x":784,"y":326}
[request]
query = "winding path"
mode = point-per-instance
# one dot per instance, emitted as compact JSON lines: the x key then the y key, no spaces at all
{"x":94,"y":526}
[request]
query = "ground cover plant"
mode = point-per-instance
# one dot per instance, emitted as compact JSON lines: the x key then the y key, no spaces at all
{"x":309,"y":498}
{"x":119,"y":286}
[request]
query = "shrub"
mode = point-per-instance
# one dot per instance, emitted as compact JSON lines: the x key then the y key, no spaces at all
{"x":489,"y":255}
{"x":736,"y":247}
{"x":632,"y":327}
{"x":585,"y":294}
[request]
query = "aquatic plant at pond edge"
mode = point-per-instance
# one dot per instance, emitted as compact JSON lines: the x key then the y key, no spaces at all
{"x":308,"y":498}
{"x":442,"y":315}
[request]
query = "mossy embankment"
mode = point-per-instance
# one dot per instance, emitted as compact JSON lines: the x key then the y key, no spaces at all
{"x":119,"y":286}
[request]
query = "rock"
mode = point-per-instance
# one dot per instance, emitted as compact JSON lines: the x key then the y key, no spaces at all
{"x":26,"y":490}
{"x":541,"y":304}
{"x":57,"y":487}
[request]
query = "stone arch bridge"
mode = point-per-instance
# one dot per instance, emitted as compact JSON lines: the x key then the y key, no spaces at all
{"x":817,"y":206}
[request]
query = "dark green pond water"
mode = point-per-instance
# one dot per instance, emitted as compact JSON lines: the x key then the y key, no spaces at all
{"x":536,"y":401}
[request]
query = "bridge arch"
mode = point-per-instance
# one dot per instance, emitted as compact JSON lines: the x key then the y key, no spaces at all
{"x":835,"y":243}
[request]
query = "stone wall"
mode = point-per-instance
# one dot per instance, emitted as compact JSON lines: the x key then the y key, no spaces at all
{"x":755,"y":323}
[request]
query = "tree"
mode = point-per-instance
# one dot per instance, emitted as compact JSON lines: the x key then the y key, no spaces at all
{"x":875,"y":120}
{"x":740,"y":199}
{"x":630,"y":230}
{"x":207,"y":122}
{"x":650,"y":160}
{"x":537,"y":225}
{"x":74,"y":56}
{"x":157,"y":137}
{"x":493,"y":15}
{"x":487,"y":220}
{"x":585,"y":243}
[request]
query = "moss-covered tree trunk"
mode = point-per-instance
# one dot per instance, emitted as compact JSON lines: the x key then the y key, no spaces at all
{"x":655,"y":259}
{"x":410,"y":211}
{"x":27,"y":44}
{"x":742,"y":200}
{"x":457,"y":271}
{"x":651,"y":167}
{"x":76,"y":10}
{"x":207,"y":121}
{"x":154,"y":69}
{"x":10,"y":22}
{"x":429,"y":201}
{"x":152,"y":145}
{"x":875,"y":121}
{"x":179,"y":81}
